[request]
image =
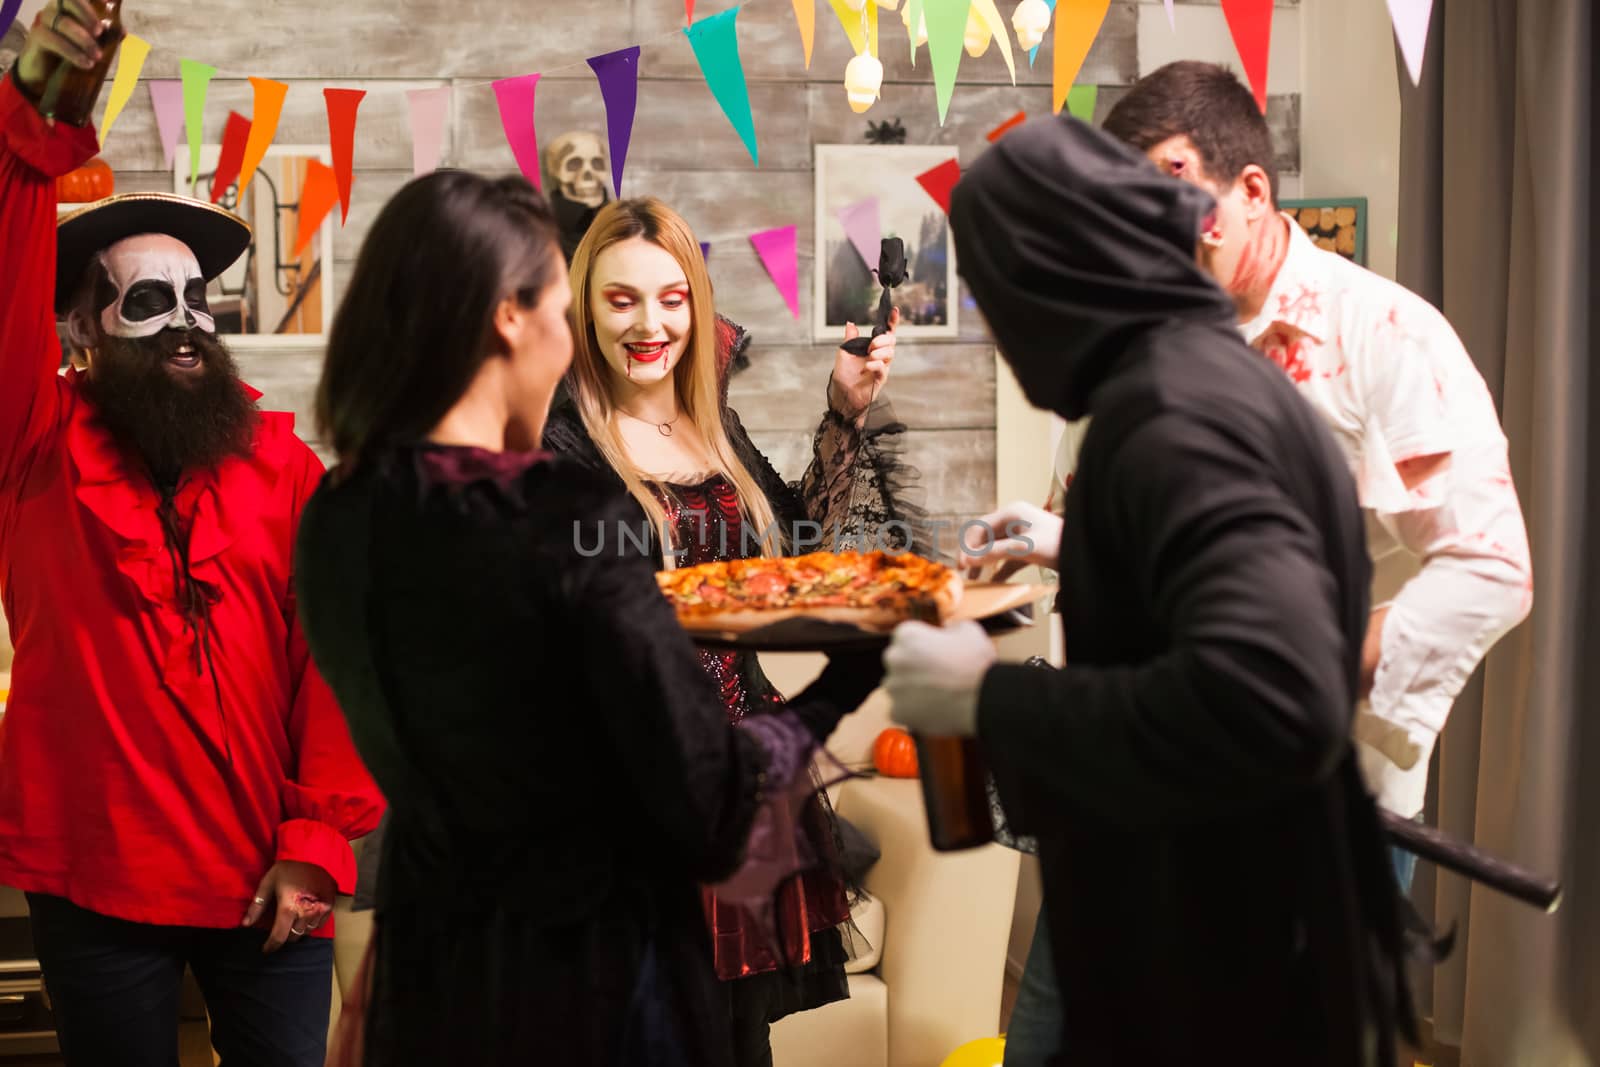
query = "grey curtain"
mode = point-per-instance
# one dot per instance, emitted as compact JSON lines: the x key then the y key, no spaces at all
{"x":1497,"y":227}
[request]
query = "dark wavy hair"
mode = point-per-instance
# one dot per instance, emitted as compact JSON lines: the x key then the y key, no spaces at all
{"x":416,"y":321}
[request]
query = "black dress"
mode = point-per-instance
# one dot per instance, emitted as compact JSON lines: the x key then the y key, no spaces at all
{"x":855,"y":484}
{"x":559,"y":770}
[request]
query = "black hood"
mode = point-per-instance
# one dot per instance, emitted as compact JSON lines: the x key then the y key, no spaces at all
{"x":1074,"y":245}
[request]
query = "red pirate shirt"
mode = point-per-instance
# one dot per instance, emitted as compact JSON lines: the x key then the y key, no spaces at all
{"x":138,"y":778}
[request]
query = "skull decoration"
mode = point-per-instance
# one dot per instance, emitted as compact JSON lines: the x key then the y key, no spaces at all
{"x":577,"y":161}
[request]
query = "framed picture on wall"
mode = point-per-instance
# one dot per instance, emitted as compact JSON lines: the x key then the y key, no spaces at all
{"x":875,"y":189}
{"x":269,"y":297}
{"x":1336,"y":225}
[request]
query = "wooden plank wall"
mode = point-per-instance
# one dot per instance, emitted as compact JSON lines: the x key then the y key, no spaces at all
{"x":683,"y":150}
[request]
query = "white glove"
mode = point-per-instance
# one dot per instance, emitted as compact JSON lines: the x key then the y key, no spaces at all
{"x":1018,"y":534}
{"x":933,"y":674}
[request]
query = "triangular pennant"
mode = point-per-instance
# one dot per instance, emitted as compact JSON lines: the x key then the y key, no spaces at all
{"x":318,"y":193}
{"x":130,"y":61}
{"x":688,"y":12}
{"x":196,"y":77}
{"x":1172,"y":19}
{"x":1009,"y":124}
{"x":234,"y":136}
{"x":705,"y":249}
{"x":1080,"y":102}
{"x":778,"y":250}
{"x":862,"y":226}
{"x":1410,"y":18}
{"x":805,"y":14}
{"x":268,"y":107}
{"x":947,"y":28}
{"x":515,"y":99}
{"x":1250,"y":23}
{"x":1078,"y":23}
{"x":429,"y":108}
{"x":916,"y":26}
{"x":8,"y":14}
{"x":1033,"y":53}
{"x":166,"y":98}
{"x":940,"y":181}
{"x":716,"y":49}
{"x":342,"y":106}
{"x":990,"y":15}
{"x":851,"y":19}
{"x":618,"y":73}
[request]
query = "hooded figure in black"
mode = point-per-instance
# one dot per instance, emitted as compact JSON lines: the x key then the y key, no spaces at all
{"x":1213,"y":867}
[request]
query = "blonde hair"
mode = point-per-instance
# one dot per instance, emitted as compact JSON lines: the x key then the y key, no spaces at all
{"x":696,"y":378}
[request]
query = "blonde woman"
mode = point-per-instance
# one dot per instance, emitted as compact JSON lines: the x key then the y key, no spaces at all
{"x":648,"y":402}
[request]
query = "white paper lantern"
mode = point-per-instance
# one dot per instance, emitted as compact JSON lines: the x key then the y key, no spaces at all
{"x":922,"y":23}
{"x":1030,"y":20}
{"x":863,"y":80}
{"x":978,"y":36}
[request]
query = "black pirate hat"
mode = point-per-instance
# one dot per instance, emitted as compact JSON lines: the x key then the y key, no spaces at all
{"x":216,"y":237}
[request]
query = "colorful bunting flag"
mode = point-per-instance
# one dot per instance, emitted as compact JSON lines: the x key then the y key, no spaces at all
{"x":860,"y":25}
{"x":688,"y":12}
{"x":1077,"y":24}
{"x":618,"y":73}
{"x":196,"y":77}
{"x":1033,"y":53}
{"x":997,"y":27}
{"x":268,"y":107}
{"x":940,"y":181}
{"x":130,"y":61}
{"x":318,"y":193}
{"x":515,"y":99}
{"x":947,"y":29}
{"x":1172,"y":19}
{"x":1080,"y":102}
{"x":862,"y":226}
{"x":805,"y":13}
{"x":1250,"y":23}
{"x":1410,"y":18}
{"x":778,"y":250}
{"x":8,"y":14}
{"x":705,"y":249}
{"x":234,"y":136}
{"x":1009,"y":124}
{"x":342,"y":106}
{"x":716,"y":49}
{"x":429,"y":107}
{"x":166,"y":98}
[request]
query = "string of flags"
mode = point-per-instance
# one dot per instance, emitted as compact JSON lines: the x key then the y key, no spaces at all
{"x":947,"y":27}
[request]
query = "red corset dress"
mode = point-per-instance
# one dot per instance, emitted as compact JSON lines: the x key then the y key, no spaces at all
{"x":810,"y":905}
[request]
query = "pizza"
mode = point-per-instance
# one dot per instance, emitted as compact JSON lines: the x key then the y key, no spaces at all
{"x":873,"y":590}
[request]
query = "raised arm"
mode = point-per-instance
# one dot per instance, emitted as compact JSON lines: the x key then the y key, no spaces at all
{"x":33,"y":153}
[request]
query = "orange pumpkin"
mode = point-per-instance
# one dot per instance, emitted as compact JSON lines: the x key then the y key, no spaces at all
{"x":894,"y":753}
{"x":90,"y":182}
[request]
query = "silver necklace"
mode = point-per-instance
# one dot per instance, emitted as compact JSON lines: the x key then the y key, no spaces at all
{"x":662,"y":428}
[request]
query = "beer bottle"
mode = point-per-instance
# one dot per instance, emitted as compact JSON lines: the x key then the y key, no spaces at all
{"x":70,"y":92}
{"x":955,"y":792}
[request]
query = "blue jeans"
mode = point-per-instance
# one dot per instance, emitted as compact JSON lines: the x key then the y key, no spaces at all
{"x":114,"y":989}
{"x":1035,"y":1031}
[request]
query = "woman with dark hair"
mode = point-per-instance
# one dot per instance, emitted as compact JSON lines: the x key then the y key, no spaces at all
{"x":560,"y":773}
{"x":648,"y":409}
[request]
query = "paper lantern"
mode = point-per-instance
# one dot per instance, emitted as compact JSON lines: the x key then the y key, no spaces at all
{"x":1030,"y":20}
{"x":977,"y":37}
{"x":863,"y":80}
{"x":922,"y":23}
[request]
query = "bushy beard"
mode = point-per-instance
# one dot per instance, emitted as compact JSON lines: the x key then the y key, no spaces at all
{"x":174,"y":423}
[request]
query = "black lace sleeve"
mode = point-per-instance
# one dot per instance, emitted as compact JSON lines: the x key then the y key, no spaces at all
{"x":856,"y":491}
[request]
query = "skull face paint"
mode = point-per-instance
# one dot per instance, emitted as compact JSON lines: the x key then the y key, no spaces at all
{"x":578,"y":163}
{"x":148,"y":284}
